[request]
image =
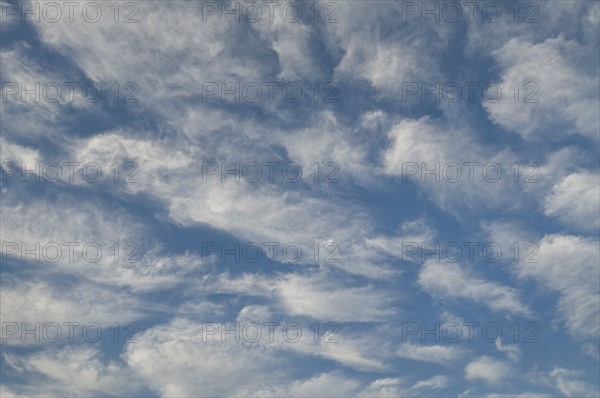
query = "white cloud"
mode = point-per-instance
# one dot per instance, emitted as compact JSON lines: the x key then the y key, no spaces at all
{"x":5,"y":392}
{"x":71,"y":371}
{"x":511,"y":350}
{"x":11,"y":152}
{"x":566,"y":381}
{"x":569,"y":265}
{"x":28,"y":221}
{"x":291,"y":42}
{"x":388,"y":387}
{"x":572,"y":19}
{"x":163,"y":34}
{"x":487,"y":369}
{"x":328,"y":140}
{"x":592,"y":350}
{"x":444,"y":355}
{"x":563,"y":264}
{"x":567,"y":96}
{"x":576,"y":201}
{"x":322,"y":385}
{"x":435,"y":382}
{"x":31,"y":115}
{"x":448,"y":280}
{"x":398,"y":387}
{"x":318,"y":296}
{"x":463,"y":181}
{"x":328,"y":300}
{"x":174,"y":361}
{"x":356,"y":349}
{"x":414,"y":232}
{"x":408,"y":53}
{"x":172,"y":173}
{"x":40,"y":302}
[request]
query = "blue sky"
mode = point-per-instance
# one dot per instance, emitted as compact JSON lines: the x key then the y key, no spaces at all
{"x":210,"y":178}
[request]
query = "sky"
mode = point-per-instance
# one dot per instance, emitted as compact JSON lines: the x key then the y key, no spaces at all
{"x":300,"y":198}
